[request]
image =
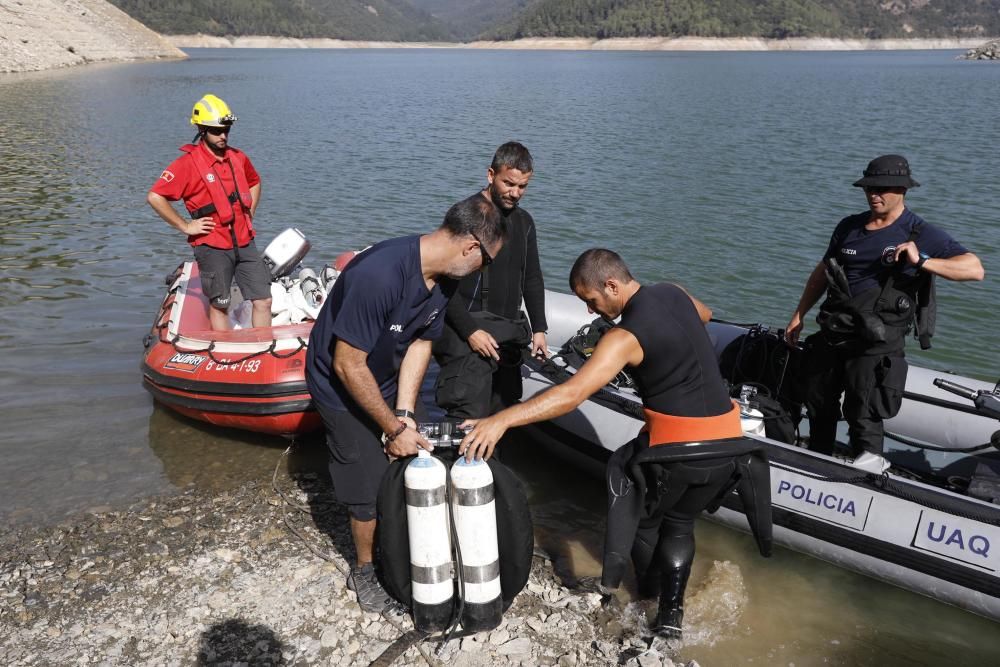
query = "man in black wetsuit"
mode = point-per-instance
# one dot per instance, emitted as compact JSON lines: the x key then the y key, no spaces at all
{"x":662,"y":339}
{"x":877,"y":273}
{"x":485,"y":330}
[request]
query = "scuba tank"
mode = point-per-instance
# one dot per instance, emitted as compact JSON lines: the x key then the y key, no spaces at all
{"x":311,"y":290}
{"x":430,"y":542}
{"x":751,"y":419}
{"x":327,"y":277}
{"x":474,"y":509}
{"x":482,"y":512}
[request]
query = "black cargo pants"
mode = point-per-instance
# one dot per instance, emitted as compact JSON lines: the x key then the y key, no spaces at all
{"x":872,"y":386}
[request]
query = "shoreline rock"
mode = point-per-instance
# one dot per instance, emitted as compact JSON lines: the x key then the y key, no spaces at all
{"x":237,"y":578}
{"x":583,"y":44}
{"x":47,"y":34}
{"x":987,"y":51}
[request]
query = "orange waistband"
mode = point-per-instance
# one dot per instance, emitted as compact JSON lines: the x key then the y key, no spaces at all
{"x":666,"y":429}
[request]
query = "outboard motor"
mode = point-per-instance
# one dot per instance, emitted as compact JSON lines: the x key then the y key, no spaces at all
{"x":474,"y":509}
{"x":285,"y":252}
{"x":430,"y":543}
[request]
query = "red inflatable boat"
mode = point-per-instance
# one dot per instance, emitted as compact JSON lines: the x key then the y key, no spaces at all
{"x":251,"y":379}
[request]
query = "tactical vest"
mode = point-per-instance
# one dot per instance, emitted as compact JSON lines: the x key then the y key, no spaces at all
{"x":877,"y":320}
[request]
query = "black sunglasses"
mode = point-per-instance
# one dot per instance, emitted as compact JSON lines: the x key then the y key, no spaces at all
{"x":218,"y":130}
{"x":487,"y":258}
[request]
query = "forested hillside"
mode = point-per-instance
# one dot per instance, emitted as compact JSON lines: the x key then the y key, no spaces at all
{"x":470,"y":18}
{"x":394,"y":20}
{"x":412,"y":20}
{"x":872,"y":19}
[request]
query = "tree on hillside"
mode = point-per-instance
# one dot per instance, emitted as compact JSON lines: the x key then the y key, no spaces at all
{"x":392,"y":20}
{"x":755,"y":18}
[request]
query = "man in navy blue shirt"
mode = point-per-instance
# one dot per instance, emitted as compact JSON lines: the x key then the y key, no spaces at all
{"x":368,"y":352}
{"x":876,"y":273}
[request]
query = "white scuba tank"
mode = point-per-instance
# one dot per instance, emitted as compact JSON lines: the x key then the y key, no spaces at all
{"x":327,"y":277}
{"x":311,"y":289}
{"x":432,"y":586}
{"x":751,"y":419}
{"x":474,"y":508}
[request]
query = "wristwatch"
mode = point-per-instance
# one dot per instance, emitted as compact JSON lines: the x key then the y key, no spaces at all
{"x":923,"y":258}
{"x":403,"y":414}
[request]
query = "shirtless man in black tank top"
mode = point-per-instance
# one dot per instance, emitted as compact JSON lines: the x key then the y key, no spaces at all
{"x":662,"y":339}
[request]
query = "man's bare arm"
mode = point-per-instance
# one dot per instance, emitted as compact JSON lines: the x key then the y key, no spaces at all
{"x":616,"y":349}
{"x":411,"y":374}
{"x":351,"y":366}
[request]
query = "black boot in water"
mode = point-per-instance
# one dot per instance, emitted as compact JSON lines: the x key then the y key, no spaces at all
{"x":671,"y":607}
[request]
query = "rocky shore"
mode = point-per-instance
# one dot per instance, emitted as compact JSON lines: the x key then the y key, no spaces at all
{"x":254,"y":577}
{"x":44,"y":34}
{"x":988,"y":51}
{"x":586,"y":44}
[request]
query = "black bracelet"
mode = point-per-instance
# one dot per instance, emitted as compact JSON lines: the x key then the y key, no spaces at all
{"x":389,"y":437}
{"x":405,"y":413}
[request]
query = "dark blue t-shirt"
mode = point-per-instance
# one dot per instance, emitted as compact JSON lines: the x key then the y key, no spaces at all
{"x":867,"y":256}
{"x":379,"y":304}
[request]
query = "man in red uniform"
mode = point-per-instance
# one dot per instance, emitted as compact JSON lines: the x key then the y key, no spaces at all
{"x":221,"y":190}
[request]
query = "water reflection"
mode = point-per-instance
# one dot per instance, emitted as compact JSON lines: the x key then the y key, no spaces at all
{"x":623,"y":146}
{"x":744,"y":609}
{"x":213,"y":459}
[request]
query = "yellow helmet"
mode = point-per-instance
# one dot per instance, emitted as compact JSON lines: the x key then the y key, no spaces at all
{"x":212,"y":111}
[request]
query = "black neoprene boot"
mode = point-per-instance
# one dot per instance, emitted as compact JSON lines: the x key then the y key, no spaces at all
{"x":671,"y":606}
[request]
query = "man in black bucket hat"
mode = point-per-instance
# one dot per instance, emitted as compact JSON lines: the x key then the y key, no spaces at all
{"x":877,"y":274}
{"x":887,"y":171}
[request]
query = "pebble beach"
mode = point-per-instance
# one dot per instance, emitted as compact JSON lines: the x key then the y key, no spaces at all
{"x":256,"y":576}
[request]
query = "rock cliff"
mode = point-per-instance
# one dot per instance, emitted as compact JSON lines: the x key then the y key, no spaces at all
{"x":43,"y":34}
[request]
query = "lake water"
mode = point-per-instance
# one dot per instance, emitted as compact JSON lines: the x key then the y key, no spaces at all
{"x":723,"y":172}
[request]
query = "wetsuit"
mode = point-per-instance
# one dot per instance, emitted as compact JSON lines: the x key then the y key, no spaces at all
{"x":470,"y":386}
{"x":870,"y":307}
{"x":660,"y":482}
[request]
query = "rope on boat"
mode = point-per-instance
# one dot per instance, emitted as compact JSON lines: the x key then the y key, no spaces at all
{"x":162,"y":322}
{"x":922,"y":445}
{"x":303,"y":344}
{"x":744,"y":325}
